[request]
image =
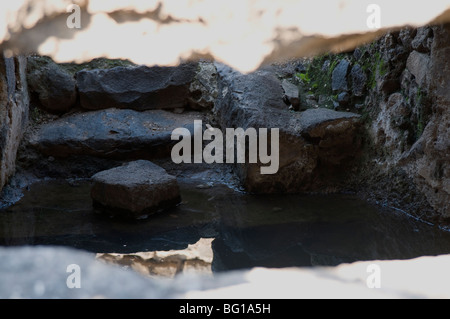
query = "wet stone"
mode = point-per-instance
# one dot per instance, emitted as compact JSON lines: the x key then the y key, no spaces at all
{"x":134,"y":190}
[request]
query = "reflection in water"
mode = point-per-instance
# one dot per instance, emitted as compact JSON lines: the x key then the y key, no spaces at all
{"x":293,"y":230}
{"x":196,"y":258}
{"x":245,"y":230}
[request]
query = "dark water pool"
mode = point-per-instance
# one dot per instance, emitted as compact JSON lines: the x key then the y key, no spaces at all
{"x":248,"y":230}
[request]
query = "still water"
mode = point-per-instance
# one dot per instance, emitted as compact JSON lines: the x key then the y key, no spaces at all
{"x":247,"y":230}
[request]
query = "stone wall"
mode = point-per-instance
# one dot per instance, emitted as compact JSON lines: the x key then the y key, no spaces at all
{"x":410,"y":109}
{"x":433,"y":166}
{"x":398,"y":84}
{"x":13,"y":112}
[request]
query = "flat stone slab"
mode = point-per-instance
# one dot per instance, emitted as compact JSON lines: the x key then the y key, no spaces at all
{"x":138,"y":88}
{"x":135,"y":189}
{"x":112,"y":133}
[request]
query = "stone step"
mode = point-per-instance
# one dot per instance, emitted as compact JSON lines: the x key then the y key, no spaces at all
{"x":112,"y":133}
{"x":136,"y":87}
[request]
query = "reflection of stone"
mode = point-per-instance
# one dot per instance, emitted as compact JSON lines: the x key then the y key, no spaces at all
{"x":196,"y":258}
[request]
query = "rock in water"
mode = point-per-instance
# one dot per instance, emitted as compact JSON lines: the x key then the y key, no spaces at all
{"x":134,"y":190}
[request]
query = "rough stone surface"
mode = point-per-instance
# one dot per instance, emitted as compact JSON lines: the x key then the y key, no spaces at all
{"x":112,"y":133}
{"x":291,"y":94}
{"x":387,"y":133}
{"x":55,"y":88}
{"x":409,"y":128}
{"x":422,"y":41}
{"x":14,"y":103}
{"x":139,"y":88}
{"x":429,"y":158}
{"x":419,"y":66}
{"x":203,"y":89}
{"x":257,"y":32}
{"x":312,"y":144}
{"x":339,"y":77}
{"x":135,"y":189}
{"x":359,"y":80}
{"x":41,"y":272}
{"x":343,"y":99}
{"x":406,"y":35}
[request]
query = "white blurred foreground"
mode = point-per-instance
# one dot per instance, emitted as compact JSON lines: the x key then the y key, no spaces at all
{"x":41,"y":272}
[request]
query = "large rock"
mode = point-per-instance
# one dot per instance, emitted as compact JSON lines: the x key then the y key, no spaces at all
{"x":14,"y":103}
{"x":54,"y":88}
{"x":134,"y":190}
{"x":313,"y":145}
{"x":410,"y":131}
{"x":137,"y":87}
{"x":163,"y":32}
{"x":112,"y":133}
